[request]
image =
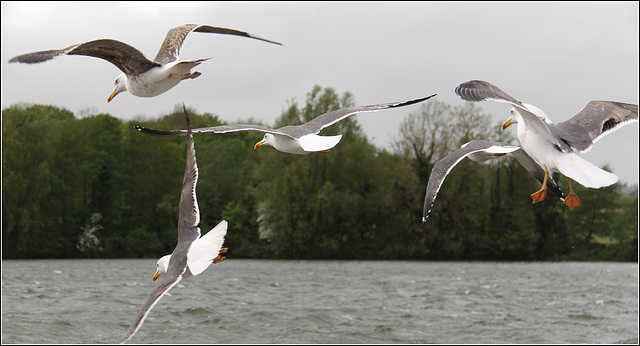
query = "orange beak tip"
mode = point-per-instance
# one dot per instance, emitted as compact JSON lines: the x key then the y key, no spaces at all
{"x":112,"y":95}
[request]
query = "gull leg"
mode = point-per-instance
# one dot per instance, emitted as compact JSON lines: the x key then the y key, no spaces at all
{"x":572,"y":199}
{"x":192,"y":75}
{"x":324,"y":151}
{"x":542,"y":193}
{"x":219,"y":258}
{"x":186,"y":75}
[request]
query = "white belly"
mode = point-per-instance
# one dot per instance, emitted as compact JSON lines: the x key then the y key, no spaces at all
{"x":151,"y":83}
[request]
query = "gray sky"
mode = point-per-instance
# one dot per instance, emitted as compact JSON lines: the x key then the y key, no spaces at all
{"x":556,"y":56}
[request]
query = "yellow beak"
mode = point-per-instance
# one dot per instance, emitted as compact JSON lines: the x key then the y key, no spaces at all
{"x":258,"y":145}
{"x":506,"y":124}
{"x":155,"y":276}
{"x":113,"y":94}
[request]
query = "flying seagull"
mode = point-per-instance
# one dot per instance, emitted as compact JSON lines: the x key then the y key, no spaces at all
{"x":141,"y":76}
{"x":480,"y":150}
{"x":555,"y":146}
{"x":293,"y":139}
{"x":193,"y":254}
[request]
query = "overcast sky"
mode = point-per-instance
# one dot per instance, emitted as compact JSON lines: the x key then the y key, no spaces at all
{"x":556,"y":56}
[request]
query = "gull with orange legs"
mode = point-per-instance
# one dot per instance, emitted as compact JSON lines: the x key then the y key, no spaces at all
{"x":193,"y":253}
{"x":556,"y":146}
{"x":141,"y":76}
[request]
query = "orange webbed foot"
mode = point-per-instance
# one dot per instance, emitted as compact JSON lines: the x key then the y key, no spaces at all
{"x":572,"y":200}
{"x":539,"y":196}
{"x":219,"y":258}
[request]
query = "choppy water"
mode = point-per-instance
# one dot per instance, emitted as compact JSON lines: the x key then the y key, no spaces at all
{"x":270,"y":301}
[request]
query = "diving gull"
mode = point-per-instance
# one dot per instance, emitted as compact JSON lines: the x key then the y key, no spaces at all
{"x":480,"y":150}
{"x":193,"y":254}
{"x":555,"y":146}
{"x":293,"y":139}
{"x":141,"y":77}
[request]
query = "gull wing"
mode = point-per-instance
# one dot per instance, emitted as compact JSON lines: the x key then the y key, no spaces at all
{"x":480,"y":150}
{"x":594,"y":121}
{"x":215,"y":129}
{"x":126,"y":58}
{"x":166,"y":284}
{"x":318,"y":123}
{"x":172,"y":44}
{"x":478,"y":90}
{"x":442,"y":168}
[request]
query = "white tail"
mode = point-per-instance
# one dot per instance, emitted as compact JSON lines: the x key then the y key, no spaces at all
{"x":584,"y":172}
{"x":206,"y":248}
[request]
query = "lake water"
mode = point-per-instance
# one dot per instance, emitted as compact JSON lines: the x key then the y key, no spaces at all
{"x":278,"y":301}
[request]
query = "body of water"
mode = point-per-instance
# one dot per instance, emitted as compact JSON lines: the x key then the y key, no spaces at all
{"x":278,"y":301}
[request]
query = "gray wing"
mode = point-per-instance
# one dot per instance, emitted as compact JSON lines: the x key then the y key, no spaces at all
{"x":442,"y":168}
{"x":478,"y":90}
{"x":215,"y":129}
{"x":126,"y":58}
{"x":170,"y":48}
{"x":167,"y":283}
{"x":594,"y":121}
{"x":189,"y":213}
{"x":488,"y":150}
{"x":314,"y":126}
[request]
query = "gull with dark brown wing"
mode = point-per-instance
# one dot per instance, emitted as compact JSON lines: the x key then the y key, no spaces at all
{"x":141,"y":76}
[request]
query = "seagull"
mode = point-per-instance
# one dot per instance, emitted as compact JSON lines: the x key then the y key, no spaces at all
{"x":293,"y":139}
{"x":141,"y":77}
{"x":480,"y":151}
{"x":193,"y":254}
{"x":555,"y":146}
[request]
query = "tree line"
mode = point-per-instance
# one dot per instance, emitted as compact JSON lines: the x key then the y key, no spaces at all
{"x":92,"y":186}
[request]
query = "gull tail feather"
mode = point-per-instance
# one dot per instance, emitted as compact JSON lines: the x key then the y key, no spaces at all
{"x":206,"y":248}
{"x":585,"y":173}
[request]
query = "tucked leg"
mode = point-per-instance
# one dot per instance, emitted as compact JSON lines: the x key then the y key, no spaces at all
{"x":572,"y":199}
{"x":186,"y":76}
{"x":219,"y":258}
{"x":542,"y":193}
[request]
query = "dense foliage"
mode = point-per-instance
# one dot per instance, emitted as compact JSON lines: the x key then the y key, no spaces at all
{"x":92,"y":186}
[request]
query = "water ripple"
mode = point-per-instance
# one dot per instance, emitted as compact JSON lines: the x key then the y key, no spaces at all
{"x":252,"y":301}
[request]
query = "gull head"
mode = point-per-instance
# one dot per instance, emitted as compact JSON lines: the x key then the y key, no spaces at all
{"x":268,"y":139}
{"x":121,"y":85}
{"x":513,"y":119}
{"x":162,"y":266}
